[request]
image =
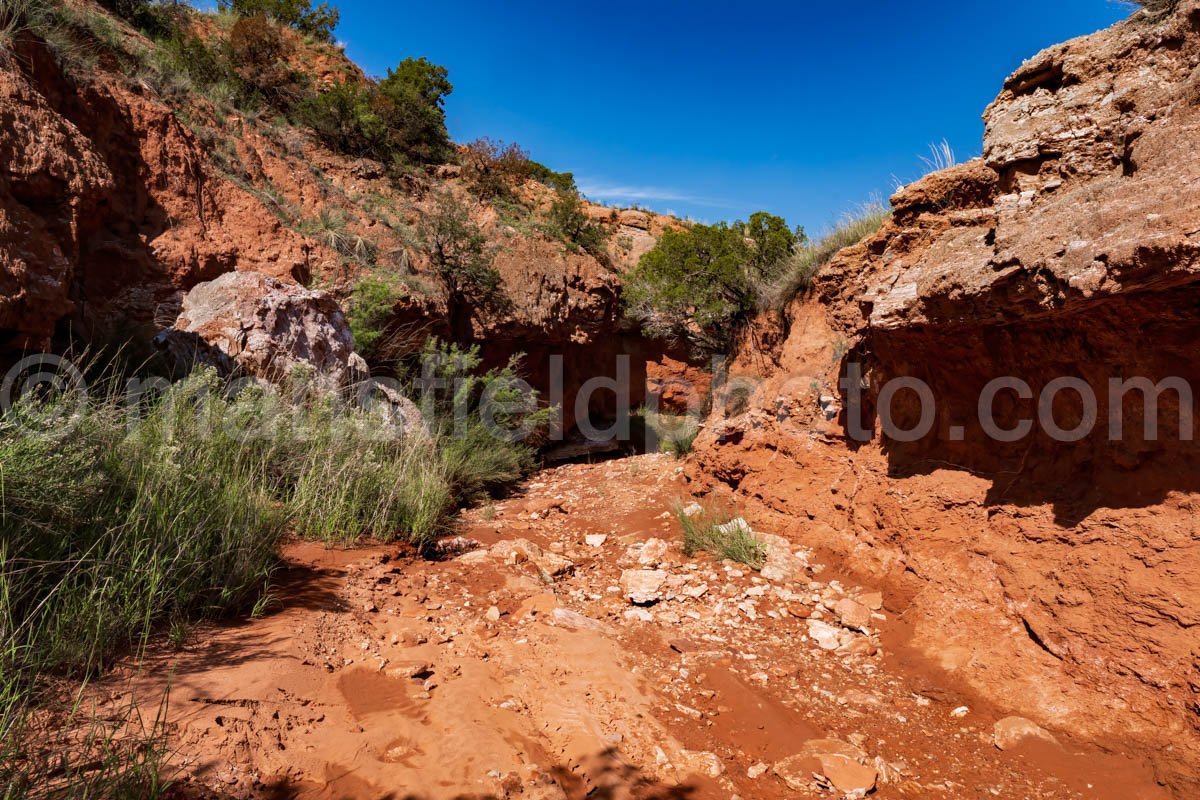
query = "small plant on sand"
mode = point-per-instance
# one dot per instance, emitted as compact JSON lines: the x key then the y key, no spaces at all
{"x":676,"y":433}
{"x":719,"y":532}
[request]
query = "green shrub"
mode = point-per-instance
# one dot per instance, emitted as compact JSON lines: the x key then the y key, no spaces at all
{"x":350,"y":118}
{"x":481,"y":456}
{"x":258,"y":52}
{"x":560,"y":181}
{"x":371,"y":307}
{"x":772,"y":242}
{"x":401,"y":116}
{"x":719,"y":532}
{"x":568,"y":221}
{"x":417,"y":90}
{"x":692,"y":285}
{"x":699,"y":284}
{"x":458,"y":249}
{"x":318,"y":22}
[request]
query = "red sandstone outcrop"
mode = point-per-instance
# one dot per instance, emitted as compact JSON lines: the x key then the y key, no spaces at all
{"x":1055,"y":578}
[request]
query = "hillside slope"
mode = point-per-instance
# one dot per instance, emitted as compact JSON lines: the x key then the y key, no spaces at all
{"x":122,"y":186}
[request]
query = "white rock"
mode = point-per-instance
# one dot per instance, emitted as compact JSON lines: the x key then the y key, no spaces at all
{"x":652,"y":552}
{"x":596,"y":539}
{"x":736,"y":525}
{"x":824,"y":634}
{"x":643,"y":586}
{"x":1011,"y":731}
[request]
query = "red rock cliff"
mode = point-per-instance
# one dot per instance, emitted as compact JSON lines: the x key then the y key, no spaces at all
{"x":1057,"y":579}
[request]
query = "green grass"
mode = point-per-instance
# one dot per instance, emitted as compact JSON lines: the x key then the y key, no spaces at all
{"x":134,"y":522}
{"x":675,"y":433}
{"x":805,"y":262}
{"x":716,"y":531}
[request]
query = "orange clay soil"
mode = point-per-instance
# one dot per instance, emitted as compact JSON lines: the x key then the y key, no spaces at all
{"x":517,"y":666}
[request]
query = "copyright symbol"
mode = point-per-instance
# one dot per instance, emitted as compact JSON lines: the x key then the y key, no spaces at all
{"x":43,"y":393}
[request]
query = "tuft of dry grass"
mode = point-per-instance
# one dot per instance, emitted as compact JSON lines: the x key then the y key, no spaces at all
{"x":806,"y":261}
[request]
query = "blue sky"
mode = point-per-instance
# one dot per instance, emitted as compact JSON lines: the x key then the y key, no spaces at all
{"x":715,"y":109}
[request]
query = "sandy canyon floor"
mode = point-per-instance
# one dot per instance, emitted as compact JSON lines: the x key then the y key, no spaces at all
{"x":519,"y":666}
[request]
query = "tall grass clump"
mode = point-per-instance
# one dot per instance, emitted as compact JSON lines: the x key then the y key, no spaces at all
{"x":718,"y":532}
{"x":350,"y":476}
{"x":487,"y":424}
{"x":672,"y":433}
{"x":807,"y":260}
{"x":128,"y":525}
{"x":134,"y":510}
{"x":105,"y":532}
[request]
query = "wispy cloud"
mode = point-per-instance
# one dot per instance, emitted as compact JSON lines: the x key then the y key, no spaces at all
{"x":618,"y":192}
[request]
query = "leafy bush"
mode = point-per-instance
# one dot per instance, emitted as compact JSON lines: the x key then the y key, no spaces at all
{"x":400,"y":116}
{"x":719,"y":532}
{"x":258,"y":52}
{"x":561,"y":181}
{"x":417,"y":90}
{"x":699,"y":284}
{"x":187,"y":63}
{"x":458,"y":249}
{"x":772,"y":242}
{"x":316,"y":22}
{"x":568,"y":221}
{"x":351,"y":118}
{"x":494,"y":168}
{"x":371,"y":307}
{"x":692,"y":285}
{"x":480,"y":456}
{"x":807,"y":260}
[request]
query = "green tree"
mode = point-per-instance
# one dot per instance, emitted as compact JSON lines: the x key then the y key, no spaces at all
{"x":693,"y":285}
{"x":458,"y":249}
{"x":773,"y":241}
{"x":568,"y":219}
{"x":416,"y":91}
{"x":699,"y":284}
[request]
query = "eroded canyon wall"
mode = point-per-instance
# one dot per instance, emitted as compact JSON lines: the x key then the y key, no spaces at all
{"x":1059,"y":579}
